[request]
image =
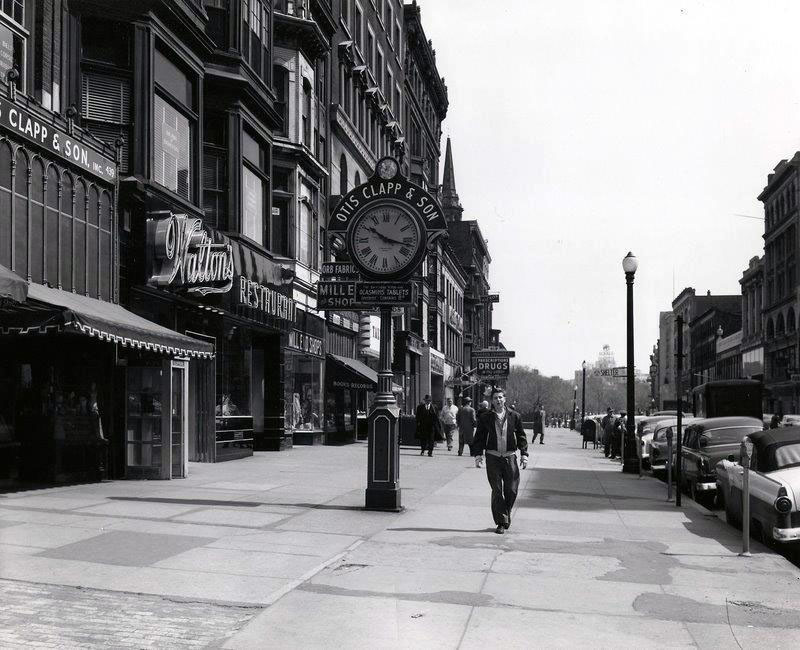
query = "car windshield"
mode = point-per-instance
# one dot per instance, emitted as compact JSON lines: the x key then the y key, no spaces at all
{"x":728,"y":435}
{"x":787,"y":456}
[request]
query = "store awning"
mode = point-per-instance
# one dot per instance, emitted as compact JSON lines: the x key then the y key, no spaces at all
{"x":12,"y":287}
{"x":353,"y":375}
{"x":48,"y":308}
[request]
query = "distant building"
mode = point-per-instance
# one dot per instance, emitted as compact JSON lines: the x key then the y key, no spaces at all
{"x":780,"y":281}
{"x":722,"y":314}
{"x":702,"y":315}
{"x":729,"y":356}
{"x":752,"y":346}
{"x":666,"y":398}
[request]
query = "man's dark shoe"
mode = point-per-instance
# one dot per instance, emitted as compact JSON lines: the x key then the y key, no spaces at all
{"x":430,"y":453}
{"x":499,"y":530}
{"x":422,"y":453}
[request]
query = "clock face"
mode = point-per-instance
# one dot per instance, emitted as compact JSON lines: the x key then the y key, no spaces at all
{"x":386,"y":241}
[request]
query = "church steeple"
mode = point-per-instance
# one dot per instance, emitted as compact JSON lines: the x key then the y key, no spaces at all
{"x":449,"y":196}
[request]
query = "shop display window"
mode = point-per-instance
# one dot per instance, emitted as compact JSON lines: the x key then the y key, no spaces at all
{"x":303,"y":395}
{"x":234,"y":370}
{"x":144,"y":436}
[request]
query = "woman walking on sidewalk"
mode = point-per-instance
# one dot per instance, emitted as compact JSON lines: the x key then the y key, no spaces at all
{"x":500,"y":434}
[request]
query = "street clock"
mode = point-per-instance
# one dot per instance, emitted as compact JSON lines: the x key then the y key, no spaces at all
{"x":386,"y":241}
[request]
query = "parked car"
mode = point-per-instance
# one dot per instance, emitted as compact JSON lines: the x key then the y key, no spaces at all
{"x":657,"y":446}
{"x":790,"y":420}
{"x":706,"y":442}
{"x":774,"y":485}
{"x":645,"y":427}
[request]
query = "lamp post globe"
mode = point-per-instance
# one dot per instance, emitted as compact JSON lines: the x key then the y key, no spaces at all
{"x":630,"y":448}
{"x":630,"y":263}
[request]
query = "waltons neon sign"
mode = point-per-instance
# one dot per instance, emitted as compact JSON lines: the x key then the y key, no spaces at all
{"x":183,"y":255}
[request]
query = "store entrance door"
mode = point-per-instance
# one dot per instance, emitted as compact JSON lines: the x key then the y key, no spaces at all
{"x":179,"y":408}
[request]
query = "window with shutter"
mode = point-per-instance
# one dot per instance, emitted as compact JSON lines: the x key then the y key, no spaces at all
{"x":215,"y":187}
{"x":106,"y":110}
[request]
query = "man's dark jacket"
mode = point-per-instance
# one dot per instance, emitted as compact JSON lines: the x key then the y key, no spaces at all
{"x":427,"y":422}
{"x":485,"y":437}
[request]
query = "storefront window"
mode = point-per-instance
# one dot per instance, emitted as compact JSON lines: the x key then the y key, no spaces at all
{"x":144,"y":436}
{"x":234,"y":365}
{"x":303,"y":408}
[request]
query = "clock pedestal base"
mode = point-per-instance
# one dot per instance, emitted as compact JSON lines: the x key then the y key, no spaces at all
{"x":383,"y":465}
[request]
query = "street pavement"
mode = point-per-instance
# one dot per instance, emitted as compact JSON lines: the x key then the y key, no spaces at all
{"x":274,"y":551}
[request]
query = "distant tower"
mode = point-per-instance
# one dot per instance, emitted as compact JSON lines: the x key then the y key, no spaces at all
{"x":606,"y":357}
{"x":449,"y":196}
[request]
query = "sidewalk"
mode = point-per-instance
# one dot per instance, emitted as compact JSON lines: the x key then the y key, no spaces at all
{"x":276,"y":552}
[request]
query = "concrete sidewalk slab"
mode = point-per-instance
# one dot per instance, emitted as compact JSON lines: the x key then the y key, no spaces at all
{"x":593,"y":558}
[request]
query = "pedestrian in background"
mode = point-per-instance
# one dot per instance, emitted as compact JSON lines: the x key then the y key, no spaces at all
{"x":466,"y":420}
{"x":538,"y":424}
{"x":483,"y":407}
{"x":449,"y":424}
{"x":427,"y":425}
{"x":607,"y":423}
{"x":500,"y":435}
{"x":616,"y":439}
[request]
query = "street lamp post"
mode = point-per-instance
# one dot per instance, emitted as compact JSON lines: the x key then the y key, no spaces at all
{"x":574,"y":403}
{"x":583,"y":396}
{"x":630,"y":455}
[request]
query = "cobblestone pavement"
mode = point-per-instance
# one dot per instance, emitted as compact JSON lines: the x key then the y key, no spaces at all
{"x":50,"y":616}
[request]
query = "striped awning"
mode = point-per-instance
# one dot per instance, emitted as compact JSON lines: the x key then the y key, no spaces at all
{"x":49,"y":309}
{"x":12,"y":287}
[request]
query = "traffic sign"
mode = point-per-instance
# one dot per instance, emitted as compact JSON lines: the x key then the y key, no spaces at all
{"x":616,"y":373}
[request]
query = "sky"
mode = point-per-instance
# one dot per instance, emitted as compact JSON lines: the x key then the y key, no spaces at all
{"x":582,"y":130}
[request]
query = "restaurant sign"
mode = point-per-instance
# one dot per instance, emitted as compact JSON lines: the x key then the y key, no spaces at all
{"x":183,"y":255}
{"x":44,"y":134}
{"x":264,"y":299}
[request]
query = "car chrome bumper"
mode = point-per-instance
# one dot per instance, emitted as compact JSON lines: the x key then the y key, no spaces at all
{"x":705,"y":487}
{"x":785,"y":534}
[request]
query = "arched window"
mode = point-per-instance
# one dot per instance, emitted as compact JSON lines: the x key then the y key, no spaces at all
{"x":780,"y":327}
{"x":306,"y":119}
{"x":791,"y":323}
{"x":357,"y":181}
{"x":770,"y":329}
{"x":343,"y":174}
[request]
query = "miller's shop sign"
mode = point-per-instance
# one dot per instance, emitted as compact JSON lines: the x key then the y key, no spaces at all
{"x":183,"y":255}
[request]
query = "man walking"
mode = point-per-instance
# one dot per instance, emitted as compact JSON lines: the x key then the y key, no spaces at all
{"x":427,"y":425}
{"x":538,"y":424}
{"x":500,"y":434}
{"x":448,"y":417}
{"x":466,"y":421}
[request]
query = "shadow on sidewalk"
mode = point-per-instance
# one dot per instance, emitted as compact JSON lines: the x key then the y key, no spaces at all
{"x":244,"y":504}
{"x":443,"y":530}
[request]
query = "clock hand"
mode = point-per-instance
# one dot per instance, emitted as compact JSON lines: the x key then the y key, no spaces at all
{"x":384,"y":237}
